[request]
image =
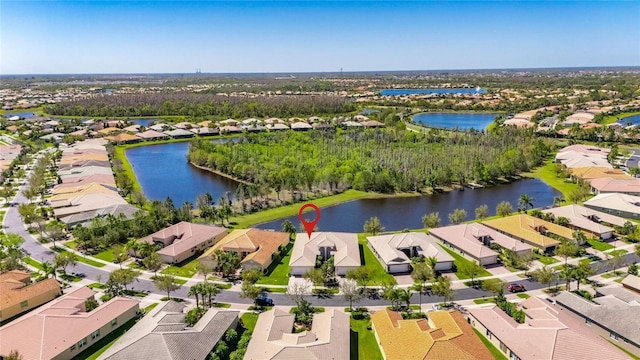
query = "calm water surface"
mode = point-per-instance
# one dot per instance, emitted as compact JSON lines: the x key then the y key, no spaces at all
{"x":398,"y":92}
{"x":406,"y":213}
{"x":462,"y":121}
{"x":633,"y":120}
{"x":162,"y":170}
{"x":143,"y":122}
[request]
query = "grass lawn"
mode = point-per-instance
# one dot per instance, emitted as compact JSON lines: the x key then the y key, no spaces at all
{"x":81,"y":259}
{"x":546,"y":260}
{"x":523,"y":295}
{"x":244,"y":221}
{"x":363,"y":343}
{"x":461,"y":262}
{"x":483,"y":301}
{"x":96,"y":286}
{"x":106,"y":255}
{"x":379,"y":274}
{"x":274,"y":289}
{"x":547,"y":174}
{"x":35,"y":264}
{"x":497,"y":354}
{"x":619,"y":251}
{"x":278,"y":272}
{"x":187,"y":268}
{"x":599,"y":245}
{"x":119,"y":153}
{"x":222,"y":305}
{"x":634,"y":357}
{"x":71,"y":244}
{"x":249,"y":320}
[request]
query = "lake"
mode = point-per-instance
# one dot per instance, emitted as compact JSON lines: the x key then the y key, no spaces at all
{"x":143,"y":122}
{"x":400,"y":92}
{"x":162,"y":170}
{"x":406,"y":212}
{"x":633,"y":120}
{"x":462,"y":121}
{"x":25,"y":115}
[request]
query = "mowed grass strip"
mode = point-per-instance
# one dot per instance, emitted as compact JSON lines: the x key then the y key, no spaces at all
{"x":460,"y":262}
{"x":278,"y":271}
{"x":547,"y":174}
{"x":363,"y":342}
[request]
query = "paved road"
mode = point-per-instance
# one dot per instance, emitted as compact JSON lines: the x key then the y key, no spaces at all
{"x":13,"y":223}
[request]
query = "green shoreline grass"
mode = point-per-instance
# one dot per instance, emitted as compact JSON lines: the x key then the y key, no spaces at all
{"x":610,"y":119}
{"x":547,"y":174}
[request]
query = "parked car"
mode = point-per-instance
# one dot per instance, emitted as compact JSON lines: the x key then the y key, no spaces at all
{"x":516,"y":288}
{"x":263,"y":300}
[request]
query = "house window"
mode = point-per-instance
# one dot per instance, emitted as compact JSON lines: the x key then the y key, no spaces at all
{"x":625,"y":340}
{"x":588,"y":321}
{"x":82,"y":343}
{"x":503,"y":347}
{"x":489,"y":334}
{"x":24,"y":304}
{"x":613,"y":335}
{"x":73,"y":347}
{"x":114,"y":322}
{"x":513,"y":356}
{"x":95,"y":334}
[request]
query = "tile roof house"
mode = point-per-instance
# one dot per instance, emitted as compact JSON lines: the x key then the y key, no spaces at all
{"x":123,"y":138}
{"x":62,"y":329}
{"x":152,"y":135}
{"x":67,"y":175}
{"x":395,"y":251}
{"x":586,"y":149}
{"x":474,"y":240}
{"x":613,"y":316}
{"x":64,"y":195}
{"x":596,"y":172}
{"x":184,"y":239}
{"x":632,"y":283}
{"x":255,"y":247}
{"x":106,"y":179}
{"x":531,"y":230}
{"x":85,"y":203}
{"x":548,"y":333}
{"x":163,"y":335}
{"x":84,"y":163}
{"x":627,"y":206}
{"x":630,"y":186}
{"x":588,"y":220}
{"x":179,"y":133}
{"x":273,"y":337}
{"x":301,"y":126}
{"x":277,"y":126}
{"x":444,"y":335}
{"x":18,"y":294}
{"x":83,"y":218}
{"x":342,"y":246}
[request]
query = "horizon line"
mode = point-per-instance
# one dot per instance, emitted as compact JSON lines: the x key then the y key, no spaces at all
{"x":334,"y":72}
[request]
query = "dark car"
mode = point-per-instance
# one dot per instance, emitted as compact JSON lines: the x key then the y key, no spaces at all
{"x":263,"y":300}
{"x":516,"y":288}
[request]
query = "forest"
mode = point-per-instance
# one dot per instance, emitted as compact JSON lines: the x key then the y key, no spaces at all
{"x":196,"y":105}
{"x":384,"y":160}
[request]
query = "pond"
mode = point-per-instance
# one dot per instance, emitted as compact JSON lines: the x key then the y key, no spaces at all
{"x":162,"y":170}
{"x":462,"y":121}
{"x":633,"y":120}
{"x":25,"y":115}
{"x":400,"y":92}
{"x":143,"y":122}
{"x":406,"y":212}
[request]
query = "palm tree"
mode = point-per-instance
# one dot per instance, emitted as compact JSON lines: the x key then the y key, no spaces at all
{"x":49,"y":269}
{"x":287,"y":226}
{"x":525,"y":201}
{"x":432,"y":261}
{"x":195,"y":291}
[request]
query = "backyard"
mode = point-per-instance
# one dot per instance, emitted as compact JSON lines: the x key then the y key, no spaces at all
{"x":363,"y":342}
{"x":278,"y":271}
{"x":460,"y":263}
{"x":379,"y":275}
{"x":187,"y":268}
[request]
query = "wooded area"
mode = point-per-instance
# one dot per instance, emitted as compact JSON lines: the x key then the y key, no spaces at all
{"x":189,"y":104}
{"x":383,"y":160}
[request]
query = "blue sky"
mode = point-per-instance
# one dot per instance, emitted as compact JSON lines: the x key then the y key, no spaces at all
{"x":51,"y":37}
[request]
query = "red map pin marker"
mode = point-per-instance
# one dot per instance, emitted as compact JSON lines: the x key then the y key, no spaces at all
{"x":309,"y":225}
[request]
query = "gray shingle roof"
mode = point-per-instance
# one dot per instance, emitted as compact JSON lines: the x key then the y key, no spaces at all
{"x":610,"y":311}
{"x":172,"y":341}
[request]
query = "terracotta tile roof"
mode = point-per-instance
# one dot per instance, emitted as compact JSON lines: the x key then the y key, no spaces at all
{"x":50,"y":330}
{"x":592,"y":172}
{"x":526,"y":227}
{"x":261,"y":244}
{"x":15,"y":288}
{"x":106,"y":179}
{"x":122,"y":137}
{"x":446,"y":335}
{"x":93,"y":188}
{"x":185,"y":236}
{"x":547,"y":333}
{"x":630,"y":185}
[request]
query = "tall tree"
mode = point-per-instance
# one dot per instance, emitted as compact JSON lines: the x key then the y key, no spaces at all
{"x":525,"y":201}
{"x":457,"y":216}
{"x":472,"y":270}
{"x":504,"y":209}
{"x":350,"y":292}
{"x":288,"y":227}
{"x":442,"y":287}
{"x":373,"y":226}
{"x":166,"y":283}
{"x":431,"y":220}
{"x":482,"y":212}
{"x":421,"y":274}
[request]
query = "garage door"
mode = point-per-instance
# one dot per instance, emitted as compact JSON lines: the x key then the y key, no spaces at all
{"x":398,"y":268}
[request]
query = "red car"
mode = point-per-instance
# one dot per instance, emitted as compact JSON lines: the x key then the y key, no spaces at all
{"x":516,"y":288}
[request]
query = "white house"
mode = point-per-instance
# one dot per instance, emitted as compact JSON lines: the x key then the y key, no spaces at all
{"x":342,"y":246}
